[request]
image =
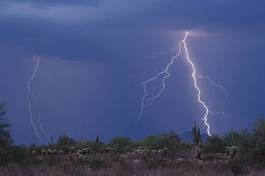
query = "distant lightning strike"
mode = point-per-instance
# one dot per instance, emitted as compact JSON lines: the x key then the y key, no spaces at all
{"x":31,"y":103}
{"x":44,"y":132}
{"x":30,"y":95}
{"x":147,"y":101}
{"x":41,"y":127}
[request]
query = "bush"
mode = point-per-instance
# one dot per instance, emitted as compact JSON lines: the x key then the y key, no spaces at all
{"x":96,"y":162}
{"x":214,"y":144}
{"x":237,"y":167}
{"x":251,"y":145}
{"x":259,"y":142}
{"x":169,"y":140}
{"x":120,"y":143}
{"x":243,"y":140}
{"x":15,"y":154}
{"x":5,"y":137}
{"x":4,"y":157}
{"x":65,"y":141}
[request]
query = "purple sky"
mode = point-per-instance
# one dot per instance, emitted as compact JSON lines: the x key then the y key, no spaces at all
{"x":96,"y":53}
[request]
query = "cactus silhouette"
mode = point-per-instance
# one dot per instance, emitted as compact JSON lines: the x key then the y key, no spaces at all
{"x":97,"y":140}
{"x":196,"y":135}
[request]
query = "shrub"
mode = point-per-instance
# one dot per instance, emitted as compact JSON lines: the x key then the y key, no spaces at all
{"x":5,"y":137}
{"x":120,"y":143}
{"x":96,"y":162}
{"x":214,"y":144}
{"x":4,"y":157}
{"x":64,"y":141}
{"x":237,"y":167}
{"x":169,"y":140}
{"x":17,"y":154}
{"x":259,"y":142}
{"x":243,"y":140}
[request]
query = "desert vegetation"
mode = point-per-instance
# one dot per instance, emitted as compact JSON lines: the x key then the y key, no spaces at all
{"x":235,"y":153}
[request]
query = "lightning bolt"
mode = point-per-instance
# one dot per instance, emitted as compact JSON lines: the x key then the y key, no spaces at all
{"x":30,"y":96}
{"x":41,"y":126}
{"x":31,"y":103}
{"x":214,"y":84}
{"x":42,"y":130}
{"x":195,"y":83}
{"x":148,"y":101}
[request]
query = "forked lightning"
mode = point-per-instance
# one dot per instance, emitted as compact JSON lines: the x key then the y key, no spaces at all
{"x":148,"y":101}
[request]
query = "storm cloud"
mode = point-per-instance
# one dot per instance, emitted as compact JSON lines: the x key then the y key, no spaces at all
{"x":96,"y":53}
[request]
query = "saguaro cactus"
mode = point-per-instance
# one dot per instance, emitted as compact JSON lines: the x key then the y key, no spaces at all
{"x":97,"y":140}
{"x":33,"y":140}
{"x":196,"y":135}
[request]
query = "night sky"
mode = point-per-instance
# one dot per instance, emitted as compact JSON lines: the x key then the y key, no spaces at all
{"x":96,"y":53}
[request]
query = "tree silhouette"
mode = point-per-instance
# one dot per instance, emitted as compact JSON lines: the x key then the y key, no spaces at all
{"x":5,"y":137}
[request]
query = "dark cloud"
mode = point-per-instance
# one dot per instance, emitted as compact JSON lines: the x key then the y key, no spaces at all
{"x":44,"y":3}
{"x":69,"y":28}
